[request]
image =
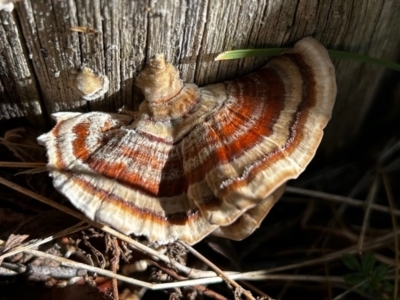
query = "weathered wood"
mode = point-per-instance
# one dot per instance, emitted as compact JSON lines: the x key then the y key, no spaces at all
{"x":39,"y":52}
{"x":19,"y":95}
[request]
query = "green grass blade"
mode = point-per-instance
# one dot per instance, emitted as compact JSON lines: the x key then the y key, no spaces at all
{"x":364,"y":58}
{"x":245,"y":53}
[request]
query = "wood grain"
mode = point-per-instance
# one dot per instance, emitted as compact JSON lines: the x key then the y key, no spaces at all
{"x":39,"y":52}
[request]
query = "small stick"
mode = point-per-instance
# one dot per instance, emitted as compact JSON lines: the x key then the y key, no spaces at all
{"x":352,"y":289}
{"x":370,"y":198}
{"x":389,"y":194}
{"x":115,"y":265}
{"x":16,"y":164}
{"x":217,"y":270}
{"x":73,"y":264}
{"x":256,"y":290}
{"x":341,"y":199}
{"x":200,"y":288}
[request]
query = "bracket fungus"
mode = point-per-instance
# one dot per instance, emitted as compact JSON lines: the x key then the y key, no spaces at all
{"x":196,"y":161}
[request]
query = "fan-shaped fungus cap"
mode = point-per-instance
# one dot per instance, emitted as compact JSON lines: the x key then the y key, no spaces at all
{"x":196,"y":160}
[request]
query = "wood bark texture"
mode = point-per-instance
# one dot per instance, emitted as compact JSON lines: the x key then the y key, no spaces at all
{"x":39,"y":52}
